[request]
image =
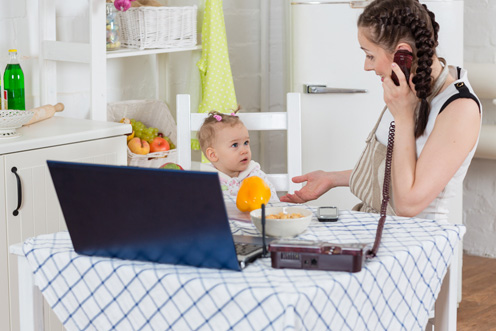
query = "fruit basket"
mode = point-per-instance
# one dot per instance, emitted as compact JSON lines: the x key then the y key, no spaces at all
{"x":158,"y":27}
{"x":10,"y":120}
{"x":152,"y":113}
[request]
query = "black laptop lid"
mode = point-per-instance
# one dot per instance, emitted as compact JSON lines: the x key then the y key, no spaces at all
{"x":157,"y":215}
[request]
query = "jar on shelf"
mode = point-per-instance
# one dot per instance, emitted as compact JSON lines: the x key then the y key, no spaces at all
{"x":113,"y":42}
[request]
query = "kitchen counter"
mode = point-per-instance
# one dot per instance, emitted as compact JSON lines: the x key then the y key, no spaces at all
{"x":28,"y":200}
{"x":60,"y":131}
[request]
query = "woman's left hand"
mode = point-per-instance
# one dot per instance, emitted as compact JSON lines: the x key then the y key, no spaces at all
{"x":401,"y":100}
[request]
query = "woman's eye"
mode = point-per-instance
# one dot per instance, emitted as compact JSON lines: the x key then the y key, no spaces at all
{"x":370,"y":57}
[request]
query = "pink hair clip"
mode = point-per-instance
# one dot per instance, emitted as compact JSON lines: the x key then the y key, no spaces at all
{"x":218,"y":117}
{"x":234,"y":114}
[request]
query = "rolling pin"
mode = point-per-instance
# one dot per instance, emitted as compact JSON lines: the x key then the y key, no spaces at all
{"x":44,"y":112}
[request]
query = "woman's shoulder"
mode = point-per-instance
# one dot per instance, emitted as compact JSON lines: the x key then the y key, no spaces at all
{"x":458,"y":88}
{"x":457,"y":113}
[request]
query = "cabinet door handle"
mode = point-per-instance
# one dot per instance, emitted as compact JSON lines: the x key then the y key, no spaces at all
{"x":19,"y":191}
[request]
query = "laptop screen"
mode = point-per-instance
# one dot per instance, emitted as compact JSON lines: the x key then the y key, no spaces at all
{"x":157,"y":215}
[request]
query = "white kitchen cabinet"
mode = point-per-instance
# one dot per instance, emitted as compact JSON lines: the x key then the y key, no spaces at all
{"x":93,"y":53}
{"x":57,"y":138}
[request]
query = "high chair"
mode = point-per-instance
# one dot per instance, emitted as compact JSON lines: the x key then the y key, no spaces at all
{"x":261,"y":121}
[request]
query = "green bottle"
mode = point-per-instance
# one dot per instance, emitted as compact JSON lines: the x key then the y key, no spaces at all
{"x":13,"y":80}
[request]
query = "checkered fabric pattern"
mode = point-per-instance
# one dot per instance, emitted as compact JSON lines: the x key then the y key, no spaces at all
{"x":394,"y":291}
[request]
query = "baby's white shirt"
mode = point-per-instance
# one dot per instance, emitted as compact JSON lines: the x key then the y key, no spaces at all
{"x":231,"y":185}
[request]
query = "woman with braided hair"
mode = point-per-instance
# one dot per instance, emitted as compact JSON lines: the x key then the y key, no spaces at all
{"x":436,"y":114}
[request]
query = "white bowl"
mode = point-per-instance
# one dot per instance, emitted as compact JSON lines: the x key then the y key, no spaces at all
{"x":10,"y":120}
{"x":282,"y":228}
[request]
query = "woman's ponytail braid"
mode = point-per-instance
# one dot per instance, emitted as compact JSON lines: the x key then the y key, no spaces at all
{"x":434,"y":24}
{"x":422,"y":79}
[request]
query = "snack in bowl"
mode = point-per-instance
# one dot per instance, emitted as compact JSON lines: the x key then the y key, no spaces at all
{"x":280,"y":221}
{"x":283,"y":216}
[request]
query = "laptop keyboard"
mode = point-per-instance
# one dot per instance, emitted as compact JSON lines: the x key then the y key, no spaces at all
{"x":246,"y":249}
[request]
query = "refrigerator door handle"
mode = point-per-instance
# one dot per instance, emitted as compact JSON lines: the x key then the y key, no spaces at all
{"x":321,"y":89}
{"x":353,"y":4}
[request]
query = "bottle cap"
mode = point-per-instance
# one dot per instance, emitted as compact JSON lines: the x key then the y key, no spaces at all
{"x":12,"y":50}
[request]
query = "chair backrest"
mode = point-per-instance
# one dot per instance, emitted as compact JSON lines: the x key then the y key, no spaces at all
{"x":261,"y":121}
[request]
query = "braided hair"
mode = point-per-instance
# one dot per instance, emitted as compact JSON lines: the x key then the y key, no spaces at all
{"x":390,"y":22}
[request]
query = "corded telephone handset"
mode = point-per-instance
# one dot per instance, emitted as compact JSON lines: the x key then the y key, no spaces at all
{"x":404,"y":60}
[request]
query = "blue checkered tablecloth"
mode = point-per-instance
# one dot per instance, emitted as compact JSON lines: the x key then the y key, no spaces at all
{"x":394,"y":291}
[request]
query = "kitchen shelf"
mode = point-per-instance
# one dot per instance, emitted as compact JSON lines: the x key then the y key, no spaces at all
{"x":93,"y":53}
{"x":127,"y":52}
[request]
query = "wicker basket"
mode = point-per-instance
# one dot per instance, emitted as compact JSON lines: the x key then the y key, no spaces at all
{"x":152,"y":113}
{"x":158,"y":27}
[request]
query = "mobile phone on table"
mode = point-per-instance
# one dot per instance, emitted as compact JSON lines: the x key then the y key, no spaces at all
{"x":404,"y":60}
{"x":327,"y":214}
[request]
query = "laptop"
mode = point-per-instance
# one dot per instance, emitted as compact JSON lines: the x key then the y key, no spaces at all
{"x":157,"y":215}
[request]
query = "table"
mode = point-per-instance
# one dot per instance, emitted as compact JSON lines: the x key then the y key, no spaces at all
{"x":396,"y":290}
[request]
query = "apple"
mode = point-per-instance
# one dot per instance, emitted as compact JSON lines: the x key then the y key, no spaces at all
{"x":139,"y":146}
{"x":159,"y":144}
{"x":171,"y":165}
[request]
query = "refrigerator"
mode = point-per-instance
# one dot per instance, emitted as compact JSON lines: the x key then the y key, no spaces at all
{"x":340,"y":101}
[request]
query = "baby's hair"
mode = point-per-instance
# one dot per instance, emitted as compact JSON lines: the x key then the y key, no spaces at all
{"x":393,"y":21}
{"x":206,"y":134}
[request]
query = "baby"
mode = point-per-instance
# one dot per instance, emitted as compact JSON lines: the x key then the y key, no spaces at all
{"x":225,"y":142}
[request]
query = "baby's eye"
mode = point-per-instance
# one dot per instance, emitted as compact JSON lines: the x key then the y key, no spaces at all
{"x":247,"y":143}
{"x":234,"y":145}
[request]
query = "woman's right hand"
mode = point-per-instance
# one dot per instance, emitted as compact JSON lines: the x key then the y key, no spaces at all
{"x":401,"y":100}
{"x":318,"y":183}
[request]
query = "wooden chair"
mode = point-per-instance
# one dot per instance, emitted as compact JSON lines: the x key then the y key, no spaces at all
{"x":261,"y":121}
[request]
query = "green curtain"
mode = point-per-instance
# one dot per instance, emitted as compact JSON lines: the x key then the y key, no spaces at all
{"x":215,"y":69}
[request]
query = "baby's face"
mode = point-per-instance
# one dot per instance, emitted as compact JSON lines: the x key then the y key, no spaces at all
{"x":232,"y":145}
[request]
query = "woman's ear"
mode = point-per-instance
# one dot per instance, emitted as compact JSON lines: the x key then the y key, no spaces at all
{"x":211,"y":155}
{"x":404,"y":46}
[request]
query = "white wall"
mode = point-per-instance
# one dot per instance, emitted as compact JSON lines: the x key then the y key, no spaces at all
{"x":259,"y":78}
{"x":17,"y":31}
{"x":479,"y":198}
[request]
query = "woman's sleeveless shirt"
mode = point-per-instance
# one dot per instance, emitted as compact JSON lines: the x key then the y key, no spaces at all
{"x":367,"y":177}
